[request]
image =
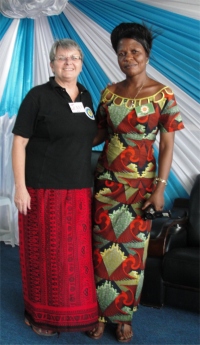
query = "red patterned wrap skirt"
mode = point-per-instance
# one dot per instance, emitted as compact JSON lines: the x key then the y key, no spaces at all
{"x":56,"y":260}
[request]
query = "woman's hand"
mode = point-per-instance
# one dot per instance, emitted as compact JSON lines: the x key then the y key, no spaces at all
{"x":22,"y":200}
{"x":156,"y":199}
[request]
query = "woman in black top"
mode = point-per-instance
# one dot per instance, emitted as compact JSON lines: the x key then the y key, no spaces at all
{"x":53,"y":137}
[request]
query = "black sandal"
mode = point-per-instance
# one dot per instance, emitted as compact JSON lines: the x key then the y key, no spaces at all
{"x":120,"y":333}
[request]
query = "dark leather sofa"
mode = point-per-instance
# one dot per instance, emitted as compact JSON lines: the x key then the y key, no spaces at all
{"x":172,"y":274}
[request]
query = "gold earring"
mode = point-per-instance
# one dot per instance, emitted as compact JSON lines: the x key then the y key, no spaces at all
{"x":147,"y":62}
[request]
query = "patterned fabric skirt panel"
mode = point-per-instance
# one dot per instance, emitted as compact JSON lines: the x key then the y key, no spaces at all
{"x":56,"y":260}
{"x":121,"y":240}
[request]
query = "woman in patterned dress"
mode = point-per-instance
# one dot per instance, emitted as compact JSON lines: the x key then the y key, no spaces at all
{"x":130,"y":114}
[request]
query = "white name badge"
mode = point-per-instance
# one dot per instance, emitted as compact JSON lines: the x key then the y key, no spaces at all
{"x":77,"y":107}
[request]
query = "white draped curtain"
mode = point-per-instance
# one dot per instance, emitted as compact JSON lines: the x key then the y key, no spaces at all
{"x":27,"y":31}
{"x":31,"y":8}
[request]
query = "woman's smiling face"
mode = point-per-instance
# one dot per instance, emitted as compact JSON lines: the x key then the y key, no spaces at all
{"x":132,"y":57}
{"x":64,"y":66}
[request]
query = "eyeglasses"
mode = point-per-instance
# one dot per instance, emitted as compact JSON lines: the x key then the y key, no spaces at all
{"x":68,"y":58}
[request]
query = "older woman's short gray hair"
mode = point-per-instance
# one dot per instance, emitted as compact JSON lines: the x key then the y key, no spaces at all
{"x":65,"y":43}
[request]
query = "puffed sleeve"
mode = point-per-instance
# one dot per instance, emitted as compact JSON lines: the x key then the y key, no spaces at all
{"x":170,"y":118}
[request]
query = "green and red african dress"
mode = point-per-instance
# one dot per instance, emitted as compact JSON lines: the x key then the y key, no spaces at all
{"x":124,"y":179}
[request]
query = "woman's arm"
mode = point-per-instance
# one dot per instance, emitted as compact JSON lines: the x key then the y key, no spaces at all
{"x":22,"y":198}
{"x":164,"y":165}
{"x":100,"y":137}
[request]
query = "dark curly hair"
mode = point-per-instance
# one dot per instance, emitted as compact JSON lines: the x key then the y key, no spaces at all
{"x":138,"y":32}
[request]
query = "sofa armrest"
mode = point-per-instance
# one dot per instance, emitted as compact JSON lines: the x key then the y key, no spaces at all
{"x":178,"y":239}
{"x":179,"y":211}
{"x":181,"y":203}
{"x":159,"y":245}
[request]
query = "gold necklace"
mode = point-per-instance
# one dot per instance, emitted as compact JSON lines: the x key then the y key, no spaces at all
{"x":138,"y":93}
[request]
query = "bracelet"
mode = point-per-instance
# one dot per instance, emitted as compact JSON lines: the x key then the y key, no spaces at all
{"x":158,"y":179}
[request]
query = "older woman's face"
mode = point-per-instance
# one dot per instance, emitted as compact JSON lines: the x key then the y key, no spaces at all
{"x":132,"y":57}
{"x":67,"y":64}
